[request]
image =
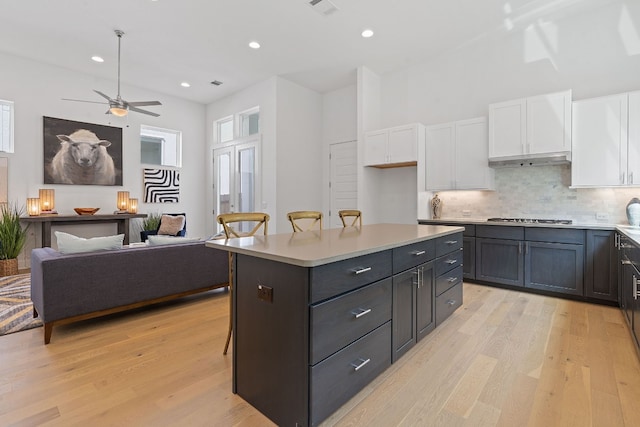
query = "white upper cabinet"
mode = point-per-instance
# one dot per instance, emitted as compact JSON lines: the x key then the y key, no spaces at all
{"x":396,"y":146}
{"x":456,"y":156}
{"x":531,"y":126}
{"x":606,"y":145}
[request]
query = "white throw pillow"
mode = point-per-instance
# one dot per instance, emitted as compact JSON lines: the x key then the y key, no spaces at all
{"x":70,"y":244}
{"x":170,"y":240}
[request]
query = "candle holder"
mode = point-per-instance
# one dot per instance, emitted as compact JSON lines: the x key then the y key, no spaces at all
{"x":47,"y":197}
{"x":33,"y":206}
{"x":133,"y":206}
{"x":123,"y":201}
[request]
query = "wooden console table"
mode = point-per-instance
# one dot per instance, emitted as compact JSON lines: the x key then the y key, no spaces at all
{"x":46,"y":220}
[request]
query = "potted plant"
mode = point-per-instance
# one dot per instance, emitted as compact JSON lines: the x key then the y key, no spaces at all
{"x":150,"y":225}
{"x":12,"y":238}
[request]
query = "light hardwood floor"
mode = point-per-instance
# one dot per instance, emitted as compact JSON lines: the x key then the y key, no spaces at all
{"x":503,"y":359}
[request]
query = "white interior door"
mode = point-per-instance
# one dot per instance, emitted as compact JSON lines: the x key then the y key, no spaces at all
{"x":344,"y":179}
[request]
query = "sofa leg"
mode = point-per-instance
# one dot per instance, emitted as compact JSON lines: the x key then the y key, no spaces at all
{"x":48,"y":328}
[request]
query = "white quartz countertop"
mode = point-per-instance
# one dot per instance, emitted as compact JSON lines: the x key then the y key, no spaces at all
{"x":313,"y":248}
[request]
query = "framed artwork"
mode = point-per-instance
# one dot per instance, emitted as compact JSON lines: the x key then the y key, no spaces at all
{"x":78,"y":153}
{"x":161,"y":186}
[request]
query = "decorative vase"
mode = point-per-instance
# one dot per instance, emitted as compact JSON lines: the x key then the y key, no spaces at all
{"x":633,"y":212}
{"x":8,"y":267}
{"x":436,"y":207}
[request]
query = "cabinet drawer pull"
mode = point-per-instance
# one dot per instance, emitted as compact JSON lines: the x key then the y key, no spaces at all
{"x":363,"y":362}
{"x":452,"y":279}
{"x":451,"y":302}
{"x":418,"y":253}
{"x":361,"y":313}
{"x":625,"y":262}
{"x":636,"y":292}
{"x":451,"y":242}
{"x":450,"y":261}
{"x":361,"y":270}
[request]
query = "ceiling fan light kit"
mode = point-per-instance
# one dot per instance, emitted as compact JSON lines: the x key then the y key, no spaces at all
{"x":118,"y":106}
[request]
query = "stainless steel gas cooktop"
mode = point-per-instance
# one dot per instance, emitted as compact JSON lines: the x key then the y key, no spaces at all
{"x":532,"y":220}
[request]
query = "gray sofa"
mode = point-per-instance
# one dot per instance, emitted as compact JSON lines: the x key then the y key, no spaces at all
{"x":71,"y":287}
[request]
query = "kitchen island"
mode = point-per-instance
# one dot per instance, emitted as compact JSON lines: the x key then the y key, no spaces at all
{"x":318,"y":315}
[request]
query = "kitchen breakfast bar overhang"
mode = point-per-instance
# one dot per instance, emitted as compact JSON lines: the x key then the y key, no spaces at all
{"x":318,"y":315}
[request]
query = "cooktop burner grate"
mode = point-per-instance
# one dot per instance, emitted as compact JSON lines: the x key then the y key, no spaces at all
{"x":532,"y":220}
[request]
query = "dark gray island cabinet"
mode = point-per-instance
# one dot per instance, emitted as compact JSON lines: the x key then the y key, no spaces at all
{"x":318,"y":315}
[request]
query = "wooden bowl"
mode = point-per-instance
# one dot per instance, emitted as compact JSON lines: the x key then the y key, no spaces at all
{"x":86,"y":211}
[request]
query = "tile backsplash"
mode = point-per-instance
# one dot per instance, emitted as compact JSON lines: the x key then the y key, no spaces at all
{"x":537,"y":192}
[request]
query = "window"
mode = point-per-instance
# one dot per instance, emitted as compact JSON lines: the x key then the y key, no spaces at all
{"x":161,"y":147}
{"x":250,"y":122}
{"x":6,"y":126}
{"x":225,"y":129}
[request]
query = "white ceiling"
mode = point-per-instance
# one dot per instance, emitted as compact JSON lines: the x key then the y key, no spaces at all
{"x":170,"y":41}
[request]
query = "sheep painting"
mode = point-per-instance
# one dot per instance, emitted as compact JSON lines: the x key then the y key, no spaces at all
{"x":81,"y":157}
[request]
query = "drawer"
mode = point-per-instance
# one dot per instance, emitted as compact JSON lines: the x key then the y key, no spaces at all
{"x":338,"y":378}
{"x":409,"y":256}
{"x":449,"y":243}
{"x":449,"y":261}
{"x":338,"y":322}
{"x":447,"y":303}
{"x":332,"y":279}
{"x":554,"y":235}
{"x":448,"y":280}
{"x":500,"y":232}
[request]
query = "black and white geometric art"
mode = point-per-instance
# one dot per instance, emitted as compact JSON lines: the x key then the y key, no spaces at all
{"x":161,"y":186}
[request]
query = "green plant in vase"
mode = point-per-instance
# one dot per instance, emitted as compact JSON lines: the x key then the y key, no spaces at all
{"x":150,"y":225}
{"x":12,"y":238}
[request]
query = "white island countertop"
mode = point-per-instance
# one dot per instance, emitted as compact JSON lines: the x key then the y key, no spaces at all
{"x":313,"y":248}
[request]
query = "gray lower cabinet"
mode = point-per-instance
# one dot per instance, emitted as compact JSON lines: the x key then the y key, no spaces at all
{"x":500,"y":261}
{"x":413,"y":307}
{"x":329,"y":330}
{"x":630,"y":287}
{"x":601,"y":274}
{"x":469,"y":257}
{"x":556,"y":267}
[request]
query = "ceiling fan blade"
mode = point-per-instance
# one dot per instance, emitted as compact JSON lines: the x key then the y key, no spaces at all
{"x":139,"y":110}
{"x":143,"y":103}
{"x":84,"y":100}
{"x":102,"y":95}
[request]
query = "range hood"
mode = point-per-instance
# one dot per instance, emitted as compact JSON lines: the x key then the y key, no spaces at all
{"x":562,"y":158}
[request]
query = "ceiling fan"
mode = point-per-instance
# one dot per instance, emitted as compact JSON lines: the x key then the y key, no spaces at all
{"x":118,"y":106}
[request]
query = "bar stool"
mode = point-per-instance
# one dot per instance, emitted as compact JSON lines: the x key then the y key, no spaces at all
{"x":351,"y":213}
{"x":226,"y":220}
{"x":301,"y":217}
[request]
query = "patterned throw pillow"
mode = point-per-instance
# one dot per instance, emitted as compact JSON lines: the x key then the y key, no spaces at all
{"x":171,"y":225}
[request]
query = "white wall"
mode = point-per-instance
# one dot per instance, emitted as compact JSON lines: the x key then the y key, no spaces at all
{"x":37,"y":89}
{"x":339,"y":119}
{"x":299,"y":151}
{"x":261,"y":95}
{"x":291,"y":126}
{"x":594,"y":53}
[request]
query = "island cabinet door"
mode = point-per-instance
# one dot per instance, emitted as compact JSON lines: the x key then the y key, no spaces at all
{"x":413,"y":307}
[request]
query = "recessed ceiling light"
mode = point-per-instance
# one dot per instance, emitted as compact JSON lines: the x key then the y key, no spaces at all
{"x":97,"y":59}
{"x":254,"y":45}
{"x":185,"y":84}
{"x":367,"y":33}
